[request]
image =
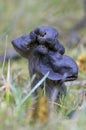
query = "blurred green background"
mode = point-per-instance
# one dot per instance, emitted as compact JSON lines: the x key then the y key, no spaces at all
{"x":21,"y":16}
{"x":18,"y":17}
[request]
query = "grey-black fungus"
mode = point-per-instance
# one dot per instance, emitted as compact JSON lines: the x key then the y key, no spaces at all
{"x":46,"y":54}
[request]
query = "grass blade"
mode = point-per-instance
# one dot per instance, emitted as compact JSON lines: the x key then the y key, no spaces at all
{"x":34,"y":88}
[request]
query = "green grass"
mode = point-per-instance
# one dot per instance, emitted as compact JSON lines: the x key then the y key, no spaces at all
{"x":16,"y":100}
{"x":19,"y":17}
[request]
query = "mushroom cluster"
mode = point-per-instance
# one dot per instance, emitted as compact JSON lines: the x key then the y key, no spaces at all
{"x":46,"y":54}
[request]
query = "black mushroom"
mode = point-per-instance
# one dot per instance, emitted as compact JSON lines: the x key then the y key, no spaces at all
{"x":46,"y":54}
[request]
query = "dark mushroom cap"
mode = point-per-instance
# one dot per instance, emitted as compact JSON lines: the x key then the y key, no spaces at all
{"x":22,"y":43}
{"x":67,"y":71}
{"x":46,"y":32}
{"x":42,"y":35}
{"x":43,"y":42}
{"x":48,"y":36}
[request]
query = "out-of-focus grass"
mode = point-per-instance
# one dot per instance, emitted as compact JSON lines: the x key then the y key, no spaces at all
{"x":19,"y":17}
{"x":15,"y":103}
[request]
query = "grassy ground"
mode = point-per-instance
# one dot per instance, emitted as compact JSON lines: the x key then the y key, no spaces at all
{"x":19,"y":17}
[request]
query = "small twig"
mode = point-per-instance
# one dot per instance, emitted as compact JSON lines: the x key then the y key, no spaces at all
{"x":4,"y":56}
{"x":79,"y":82}
{"x":55,"y":103}
{"x":2,"y":88}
